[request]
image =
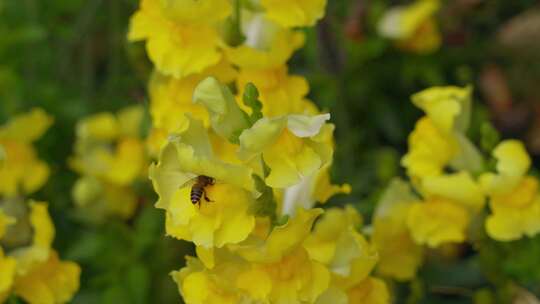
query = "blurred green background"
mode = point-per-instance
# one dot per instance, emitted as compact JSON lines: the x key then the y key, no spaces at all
{"x":71,"y":58}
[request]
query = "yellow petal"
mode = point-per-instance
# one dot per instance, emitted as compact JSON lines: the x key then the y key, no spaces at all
{"x":470,"y":194}
{"x":448,"y":107}
{"x":256,"y":283}
{"x":267,"y":45}
{"x":196,"y":12}
{"x":8,"y":266}
{"x":27,"y":127}
{"x":436,"y":222}
{"x":282,"y":239}
{"x":226,"y":117}
{"x":52,"y":281}
{"x":293,"y":13}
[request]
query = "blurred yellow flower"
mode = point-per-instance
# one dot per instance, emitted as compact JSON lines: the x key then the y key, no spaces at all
{"x":110,"y":156}
{"x":399,"y":256}
{"x":34,"y":272}
{"x":448,"y":107}
{"x":50,"y":282}
{"x":21,"y":172}
{"x":293,"y":13}
{"x":199,"y":286}
{"x":413,"y":26}
{"x":369,"y":291}
{"x":429,"y":150}
{"x":437,"y":221}
{"x":267,"y":45}
{"x":180,"y":34}
{"x":438,"y":140}
{"x":7,"y":264}
{"x":293,"y":146}
{"x":514,"y":197}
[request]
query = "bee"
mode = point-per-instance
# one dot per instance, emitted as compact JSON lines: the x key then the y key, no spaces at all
{"x":197,"y":190}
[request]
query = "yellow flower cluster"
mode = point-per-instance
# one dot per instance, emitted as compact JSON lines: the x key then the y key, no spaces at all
{"x":413,"y":26}
{"x":110,"y":156}
{"x":253,"y":223}
{"x":29,"y":267}
{"x":238,"y":174}
{"x":451,"y":186}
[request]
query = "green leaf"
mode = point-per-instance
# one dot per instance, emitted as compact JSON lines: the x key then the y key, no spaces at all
{"x":251,"y":99}
{"x":266,"y":204}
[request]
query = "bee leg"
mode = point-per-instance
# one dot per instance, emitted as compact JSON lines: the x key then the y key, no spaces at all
{"x":207,"y":198}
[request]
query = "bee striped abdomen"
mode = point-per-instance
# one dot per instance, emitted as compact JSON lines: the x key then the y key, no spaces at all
{"x":196,"y":194}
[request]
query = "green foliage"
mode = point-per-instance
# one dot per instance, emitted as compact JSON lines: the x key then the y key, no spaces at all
{"x":251,"y":99}
{"x":71,"y":58}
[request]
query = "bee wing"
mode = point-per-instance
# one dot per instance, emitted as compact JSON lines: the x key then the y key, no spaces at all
{"x":190,"y":181}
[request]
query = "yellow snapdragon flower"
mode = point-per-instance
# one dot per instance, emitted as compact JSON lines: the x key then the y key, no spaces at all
{"x":226,"y":117}
{"x":280,"y":93}
{"x":437,"y":221}
{"x":110,"y":156}
{"x":197,"y":285}
{"x":272,"y":270}
{"x":413,"y":26}
{"x":171,"y":98}
{"x":445,"y":214}
{"x":181,"y":38}
{"x":292,"y":146}
{"x":439,"y":140}
{"x":267,"y":45}
{"x":310,"y":190}
{"x":439,"y":143}
{"x":21,"y":171}
{"x":224,"y":220}
{"x":293,"y":13}
{"x":369,"y":291}
{"x":279,"y":270}
{"x":34,"y":272}
{"x":514,"y":196}
{"x":399,"y":255}
{"x":336,"y":243}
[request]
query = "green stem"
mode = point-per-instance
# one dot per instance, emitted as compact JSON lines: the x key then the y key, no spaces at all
{"x":236,"y":31}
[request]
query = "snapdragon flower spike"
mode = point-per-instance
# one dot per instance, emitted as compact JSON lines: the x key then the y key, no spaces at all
{"x":224,"y":220}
